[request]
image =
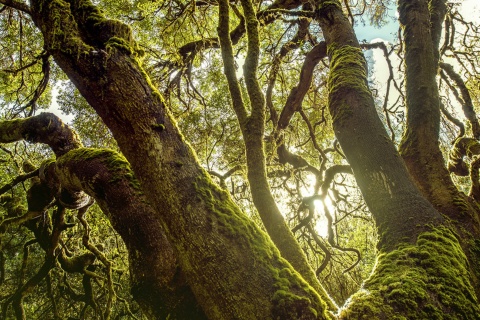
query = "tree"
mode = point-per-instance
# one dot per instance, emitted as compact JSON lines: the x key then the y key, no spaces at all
{"x":193,"y":253}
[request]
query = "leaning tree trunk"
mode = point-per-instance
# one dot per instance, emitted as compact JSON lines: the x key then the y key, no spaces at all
{"x":227,"y":260}
{"x":422,"y":271}
{"x":252,"y":126}
{"x":157,"y":283}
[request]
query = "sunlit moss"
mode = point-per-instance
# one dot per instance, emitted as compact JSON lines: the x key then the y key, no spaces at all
{"x":426,"y":280}
{"x":347,"y":73}
{"x":293,"y":298}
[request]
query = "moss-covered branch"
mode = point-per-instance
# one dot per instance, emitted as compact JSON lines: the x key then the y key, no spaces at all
{"x":229,"y":62}
{"x":107,"y":177}
{"x":45,"y":128}
{"x":380,"y":174}
{"x":419,"y":146}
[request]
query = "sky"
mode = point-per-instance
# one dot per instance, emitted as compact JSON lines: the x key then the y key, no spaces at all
{"x":470,"y":9}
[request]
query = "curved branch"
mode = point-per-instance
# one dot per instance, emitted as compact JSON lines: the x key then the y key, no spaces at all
{"x":465,"y":100}
{"x":106,"y":176}
{"x":45,"y":128}
{"x":454,"y":120}
{"x":463,"y":147}
{"x":17,"y":180}
{"x":297,"y":94}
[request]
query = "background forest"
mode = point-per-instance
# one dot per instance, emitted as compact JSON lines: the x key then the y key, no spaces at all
{"x":308,"y":174}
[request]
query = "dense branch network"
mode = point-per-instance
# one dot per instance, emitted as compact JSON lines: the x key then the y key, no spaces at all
{"x":61,"y":184}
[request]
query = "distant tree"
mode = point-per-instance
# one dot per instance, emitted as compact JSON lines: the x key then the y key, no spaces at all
{"x":297,"y":130}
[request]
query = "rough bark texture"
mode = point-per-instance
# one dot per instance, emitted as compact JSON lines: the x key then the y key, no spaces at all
{"x":157,"y":282}
{"x":228,"y":262}
{"x":419,"y":147}
{"x":421,"y":265}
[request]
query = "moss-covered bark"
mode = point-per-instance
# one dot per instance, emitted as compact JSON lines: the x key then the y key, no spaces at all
{"x":419,"y":145}
{"x":428,"y":266}
{"x":158,"y":284}
{"x":227,"y":261}
{"x":425,"y":280}
{"x":380,"y":173}
{"x":231,"y":266}
{"x":252,"y":126}
{"x":421,"y":24}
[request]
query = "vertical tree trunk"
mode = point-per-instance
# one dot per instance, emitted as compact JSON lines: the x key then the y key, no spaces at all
{"x":422,"y":271}
{"x":422,"y":23}
{"x":381,"y":174}
{"x":253,"y":129}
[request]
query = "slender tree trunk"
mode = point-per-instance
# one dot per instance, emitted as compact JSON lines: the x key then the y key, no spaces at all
{"x":253,"y":129}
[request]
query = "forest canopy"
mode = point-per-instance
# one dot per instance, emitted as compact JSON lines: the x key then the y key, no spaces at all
{"x":239,"y":159}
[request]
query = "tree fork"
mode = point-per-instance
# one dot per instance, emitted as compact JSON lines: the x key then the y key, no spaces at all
{"x":391,"y":196}
{"x":210,"y":251}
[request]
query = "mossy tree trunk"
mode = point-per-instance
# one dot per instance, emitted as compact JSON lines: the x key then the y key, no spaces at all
{"x":252,"y":126}
{"x":157,"y":283}
{"x":231,"y":266}
{"x":421,"y":23}
{"x":422,"y":270}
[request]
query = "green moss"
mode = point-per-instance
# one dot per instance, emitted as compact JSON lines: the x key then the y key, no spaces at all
{"x":426,"y":280}
{"x":292,"y":297}
{"x":116,"y":163}
{"x":347,"y":74}
{"x":119,"y":43}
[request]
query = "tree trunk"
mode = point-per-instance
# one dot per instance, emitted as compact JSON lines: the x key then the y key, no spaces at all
{"x":421,"y":23}
{"x":422,"y":271}
{"x":227,"y":261}
{"x":253,"y":130}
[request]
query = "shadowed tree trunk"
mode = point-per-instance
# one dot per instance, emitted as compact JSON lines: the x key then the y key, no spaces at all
{"x":157,"y":283}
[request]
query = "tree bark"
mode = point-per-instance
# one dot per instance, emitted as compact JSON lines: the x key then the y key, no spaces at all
{"x":227,"y":261}
{"x":421,"y":262}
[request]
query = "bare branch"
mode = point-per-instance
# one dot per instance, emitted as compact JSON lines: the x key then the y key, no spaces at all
{"x":465,"y":99}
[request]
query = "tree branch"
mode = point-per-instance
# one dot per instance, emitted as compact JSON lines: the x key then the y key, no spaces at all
{"x":465,"y":100}
{"x":19,"y":5}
